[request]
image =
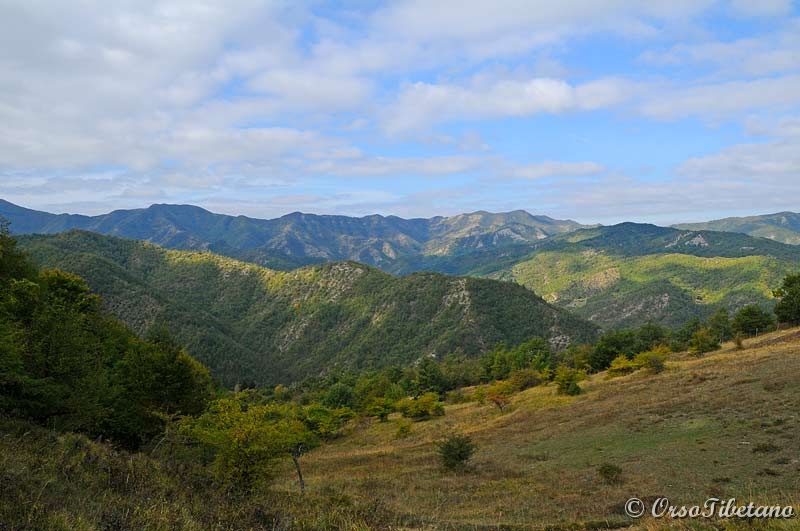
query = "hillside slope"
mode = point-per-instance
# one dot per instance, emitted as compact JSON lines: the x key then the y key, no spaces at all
{"x":720,"y":426}
{"x":299,"y":239}
{"x":627,"y":274}
{"x":248,"y":323}
{"x":782,"y":227}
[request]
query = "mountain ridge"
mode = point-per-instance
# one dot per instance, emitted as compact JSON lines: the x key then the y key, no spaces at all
{"x":299,"y":239}
{"x":783,"y":227}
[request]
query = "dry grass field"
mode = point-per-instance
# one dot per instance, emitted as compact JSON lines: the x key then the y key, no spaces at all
{"x":723,"y":425}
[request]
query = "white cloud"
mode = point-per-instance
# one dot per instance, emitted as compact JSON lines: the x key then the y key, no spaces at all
{"x":776,"y":162}
{"x":723,"y":100}
{"x":422,"y":104}
{"x":556,"y":169}
{"x":771,"y":53}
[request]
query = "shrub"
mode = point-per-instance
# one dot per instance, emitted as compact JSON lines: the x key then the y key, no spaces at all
{"x":379,"y":407}
{"x":567,"y":379}
{"x":609,"y":473}
{"x":703,"y":340}
{"x":524,"y":379}
{"x":423,"y":407}
{"x":455,"y":451}
{"x":403,"y":429}
{"x":738,"y":340}
{"x":621,"y":366}
{"x":653,"y":360}
{"x":499,"y":395}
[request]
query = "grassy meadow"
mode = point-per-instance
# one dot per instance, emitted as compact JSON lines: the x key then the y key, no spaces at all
{"x":723,"y":425}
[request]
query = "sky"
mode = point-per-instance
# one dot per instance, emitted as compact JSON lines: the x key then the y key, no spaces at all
{"x":600,"y":111}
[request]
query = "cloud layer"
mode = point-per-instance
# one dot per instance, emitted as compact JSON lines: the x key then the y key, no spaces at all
{"x":407,"y":107}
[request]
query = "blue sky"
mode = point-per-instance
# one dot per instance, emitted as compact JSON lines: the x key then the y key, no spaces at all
{"x":594,"y":110}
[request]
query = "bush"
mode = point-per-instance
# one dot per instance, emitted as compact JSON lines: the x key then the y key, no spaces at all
{"x":609,"y":473}
{"x":621,"y":366}
{"x":703,"y":340}
{"x":499,"y":395}
{"x":567,"y":379}
{"x":653,"y":360}
{"x":524,"y":379}
{"x":738,"y":340}
{"x":423,"y":407}
{"x":403,"y":429}
{"x":455,"y":451}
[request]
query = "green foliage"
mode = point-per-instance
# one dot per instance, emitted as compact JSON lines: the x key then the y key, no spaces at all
{"x":380,"y":407}
{"x":67,"y":365}
{"x":703,"y":340}
{"x":339,"y":395}
{"x":622,"y":276}
{"x":752,"y":320}
{"x":613,"y":344}
{"x":455,"y":451}
{"x":522,"y":379}
{"x":422,"y":407}
{"x":429,"y":376}
{"x":720,"y":325}
{"x":621,"y":366}
{"x":566,"y":380}
{"x":243,"y":442}
{"x":501,"y":362}
{"x":403,"y":429}
{"x":652,"y":360}
{"x":253,"y":325}
{"x":788,"y":308}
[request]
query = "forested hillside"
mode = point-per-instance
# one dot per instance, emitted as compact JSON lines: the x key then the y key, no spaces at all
{"x":65,"y":363}
{"x":251,"y":324}
{"x":624,"y":275}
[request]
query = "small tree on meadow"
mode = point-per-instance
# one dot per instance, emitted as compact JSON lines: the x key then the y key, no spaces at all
{"x":752,"y":320}
{"x":455,"y":451}
{"x":567,"y":379}
{"x":703,"y":340}
{"x":788,"y":308}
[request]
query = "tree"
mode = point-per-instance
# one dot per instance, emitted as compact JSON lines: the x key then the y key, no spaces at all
{"x":720,"y":324}
{"x":788,"y":308}
{"x":703,"y":340}
{"x":339,"y":395}
{"x":567,"y":379}
{"x":613,"y":344}
{"x":245,"y":440}
{"x":429,"y":376}
{"x":455,"y":451}
{"x":499,"y":394}
{"x":752,"y":320}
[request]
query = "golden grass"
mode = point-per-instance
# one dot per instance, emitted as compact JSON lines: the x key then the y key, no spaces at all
{"x":724,"y":425}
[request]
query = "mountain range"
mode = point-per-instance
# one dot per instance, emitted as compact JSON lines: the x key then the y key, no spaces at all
{"x":615,"y":276}
{"x":300,"y":239}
